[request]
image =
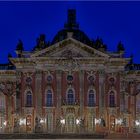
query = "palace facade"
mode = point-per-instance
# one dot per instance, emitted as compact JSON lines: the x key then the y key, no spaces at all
{"x":69,"y":85}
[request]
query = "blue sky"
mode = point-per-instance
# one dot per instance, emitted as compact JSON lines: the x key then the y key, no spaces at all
{"x":112,"y":21}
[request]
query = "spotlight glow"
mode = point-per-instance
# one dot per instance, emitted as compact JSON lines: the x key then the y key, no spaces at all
{"x":62,"y":121}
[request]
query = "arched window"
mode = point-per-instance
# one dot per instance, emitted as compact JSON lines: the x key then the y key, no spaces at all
{"x":112,"y":99}
{"x":70,"y":97}
{"x":91,"y":98}
{"x":28,"y":98}
{"x":49,"y":98}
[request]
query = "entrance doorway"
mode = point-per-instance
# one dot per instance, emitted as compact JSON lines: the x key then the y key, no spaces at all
{"x":112,"y":123}
{"x":29,"y":123}
{"x":70,"y":123}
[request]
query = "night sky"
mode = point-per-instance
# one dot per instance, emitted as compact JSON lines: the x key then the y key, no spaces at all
{"x":112,"y":21}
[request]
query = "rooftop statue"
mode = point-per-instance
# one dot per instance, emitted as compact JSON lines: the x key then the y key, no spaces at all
{"x":19,"y":46}
{"x":120,"y":47}
{"x":40,"y":42}
{"x":98,"y":43}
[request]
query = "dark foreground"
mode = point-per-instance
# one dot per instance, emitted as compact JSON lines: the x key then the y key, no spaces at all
{"x":51,"y":136}
{"x":70,"y":136}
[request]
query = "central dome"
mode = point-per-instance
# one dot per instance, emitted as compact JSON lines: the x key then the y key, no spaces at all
{"x":71,"y":26}
{"x":77,"y":34}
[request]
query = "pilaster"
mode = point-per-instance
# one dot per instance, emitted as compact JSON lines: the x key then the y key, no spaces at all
{"x":81,"y":88}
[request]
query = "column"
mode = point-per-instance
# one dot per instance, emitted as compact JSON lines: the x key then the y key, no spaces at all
{"x":58,"y":99}
{"x":81,"y":79}
{"x":38,"y":94}
{"x":101,"y":92}
{"x":38,"y":98}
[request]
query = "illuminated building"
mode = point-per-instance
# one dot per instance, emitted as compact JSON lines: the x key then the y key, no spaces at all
{"x":70,"y":85}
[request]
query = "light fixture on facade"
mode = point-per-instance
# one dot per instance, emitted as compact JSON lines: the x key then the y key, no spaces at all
{"x":62,"y":121}
{"x":42,"y":120}
{"x":137,"y":123}
{"x":22,"y":121}
{"x":5,"y":123}
{"x":78,"y":121}
{"x":119,"y":121}
{"x":97,"y":121}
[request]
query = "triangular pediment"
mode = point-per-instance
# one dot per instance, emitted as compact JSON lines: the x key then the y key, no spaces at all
{"x":69,"y":48}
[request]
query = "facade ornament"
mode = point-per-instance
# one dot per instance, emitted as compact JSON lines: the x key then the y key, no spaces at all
{"x":68,"y":62}
{"x":8,"y":88}
{"x":132,"y":92}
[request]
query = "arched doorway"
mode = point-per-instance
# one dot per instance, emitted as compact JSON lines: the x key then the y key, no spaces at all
{"x":49,"y":122}
{"x":90,"y":123}
{"x":112,"y":123}
{"x":70,"y":123}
